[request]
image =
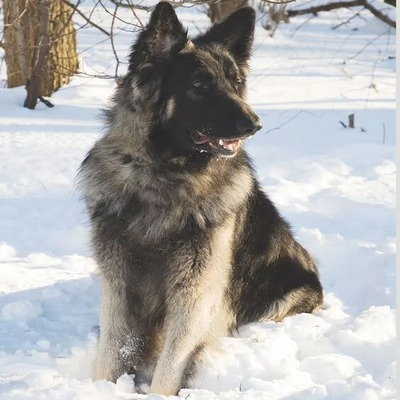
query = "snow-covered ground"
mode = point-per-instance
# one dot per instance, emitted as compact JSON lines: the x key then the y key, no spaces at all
{"x":335,"y":185}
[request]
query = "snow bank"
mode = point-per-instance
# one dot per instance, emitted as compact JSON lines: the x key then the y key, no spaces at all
{"x":335,"y":185}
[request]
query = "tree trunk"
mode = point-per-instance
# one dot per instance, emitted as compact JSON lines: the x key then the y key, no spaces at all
{"x":63,"y":57}
{"x":33,"y":87}
{"x":40,"y":44}
{"x":220,"y":10}
{"x":19,"y":36}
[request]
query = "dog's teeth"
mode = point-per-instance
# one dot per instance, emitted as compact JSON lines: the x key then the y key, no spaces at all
{"x":221,"y":142}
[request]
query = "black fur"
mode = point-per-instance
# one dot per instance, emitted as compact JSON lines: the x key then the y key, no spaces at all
{"x":187,"y":244}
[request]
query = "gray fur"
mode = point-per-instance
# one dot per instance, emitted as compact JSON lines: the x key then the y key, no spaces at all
{"x":188,"y":247}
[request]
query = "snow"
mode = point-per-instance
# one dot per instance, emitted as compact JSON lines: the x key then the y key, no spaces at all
{"x":335,"y":185}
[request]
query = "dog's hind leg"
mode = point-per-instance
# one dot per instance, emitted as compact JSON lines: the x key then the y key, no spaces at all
{"x":302,"y":300}
{"x":300,"y":290}
{"x":295,"y":286}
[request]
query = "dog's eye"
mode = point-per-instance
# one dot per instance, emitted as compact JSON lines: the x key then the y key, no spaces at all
{"x":238,"y":81}
{"x":199,"y":84}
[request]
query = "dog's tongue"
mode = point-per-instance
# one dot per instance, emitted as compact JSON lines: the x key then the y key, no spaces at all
{"x":229,"y":144}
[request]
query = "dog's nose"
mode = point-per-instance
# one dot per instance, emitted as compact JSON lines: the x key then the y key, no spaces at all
{"x":248,"y":126}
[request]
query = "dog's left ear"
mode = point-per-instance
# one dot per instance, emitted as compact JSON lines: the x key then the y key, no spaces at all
{"x":236,"y":33}
{"x":163,"y":36}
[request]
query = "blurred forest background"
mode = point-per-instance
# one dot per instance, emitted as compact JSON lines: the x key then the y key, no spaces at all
{"x":39,"y":37}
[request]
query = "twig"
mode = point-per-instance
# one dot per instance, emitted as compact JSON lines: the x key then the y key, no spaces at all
{"x":137,"y":18}
{"x":278,"y":2}
{"x":285,"y":123}
{"x":302,"y":24}
{"x":371,"y":85}
{"x":129,"y":5}
{"x":343,"y":4}
{"x":88,"y":20}
{"x":48,"y":103}
{"x":325,"y":7}
{"x":181,"y":3}
{"x":114,"y":15}
{"x":18,"y":19}
{"x":357,"y":14}
{"x":370,"y":43}
{"x":58,"y":34}
{"x":379,"y":14}
{"x":112,"y":41}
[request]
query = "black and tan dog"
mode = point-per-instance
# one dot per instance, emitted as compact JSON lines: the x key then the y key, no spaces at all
{"x":188,"y":246}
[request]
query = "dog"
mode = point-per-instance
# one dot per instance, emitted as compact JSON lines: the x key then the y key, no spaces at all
{"x":188,"y":246}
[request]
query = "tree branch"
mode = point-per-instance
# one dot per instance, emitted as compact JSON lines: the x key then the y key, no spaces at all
{"x":112,"y":42}
{"x":344,"y":4}
{"x":88,"y":20}
{"x":325,"y":7}
{"x":129,"y":5}
{"x":179,"y":3}
{"x":379,"y":14}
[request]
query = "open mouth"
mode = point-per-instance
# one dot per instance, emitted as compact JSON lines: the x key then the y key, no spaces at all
{"x":221,"y":147}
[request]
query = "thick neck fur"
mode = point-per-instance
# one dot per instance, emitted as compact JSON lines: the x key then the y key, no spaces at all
{"x":127,"y":178}
{"x":124,"y":179}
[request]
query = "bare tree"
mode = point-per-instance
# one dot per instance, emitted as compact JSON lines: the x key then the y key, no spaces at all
{"x":39,"y":38}
{"x":39,"y":46}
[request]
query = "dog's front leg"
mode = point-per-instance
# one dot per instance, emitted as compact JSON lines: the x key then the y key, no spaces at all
{"x":186,"y":328}
{"x":120,"y":342}
{"x":196,"y":313}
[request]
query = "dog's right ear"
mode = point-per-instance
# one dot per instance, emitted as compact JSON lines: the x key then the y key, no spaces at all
{"x":163,"y":36}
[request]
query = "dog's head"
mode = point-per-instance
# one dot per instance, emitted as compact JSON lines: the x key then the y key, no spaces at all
{"x":196,"y":87}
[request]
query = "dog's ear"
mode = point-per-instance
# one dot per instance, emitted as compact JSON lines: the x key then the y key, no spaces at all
{"x":163,"y":36}
{"x":236,"y":33}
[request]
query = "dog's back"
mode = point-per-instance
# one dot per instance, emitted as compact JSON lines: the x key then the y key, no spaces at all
{"x":188,"y":246}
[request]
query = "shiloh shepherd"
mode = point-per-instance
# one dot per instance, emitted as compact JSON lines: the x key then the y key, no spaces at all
{"x":187,"y":244}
